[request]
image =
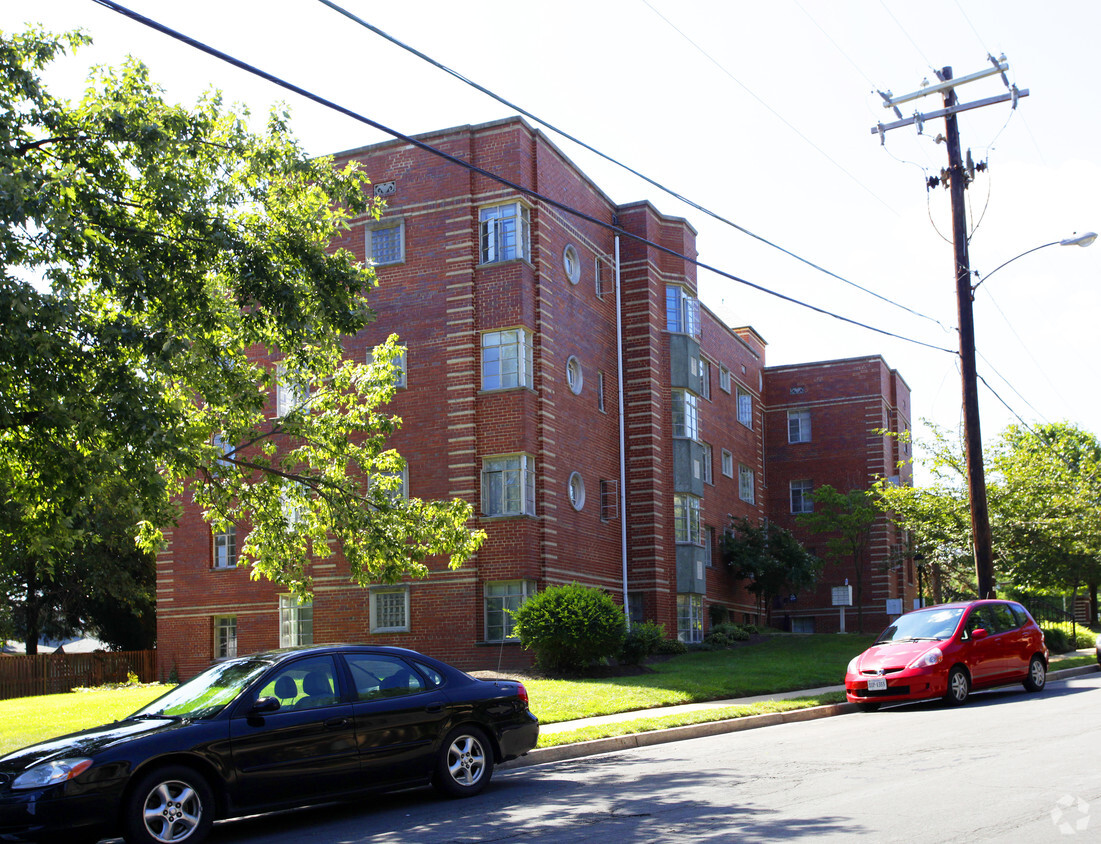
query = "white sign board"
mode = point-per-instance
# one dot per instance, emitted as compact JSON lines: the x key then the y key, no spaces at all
{"x":894,"y":606}
{"x":842,"y":596}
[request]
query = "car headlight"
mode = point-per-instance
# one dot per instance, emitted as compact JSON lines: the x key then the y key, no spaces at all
{"x":852,"y":669}
{"x":931,"y":657}
{"x":51,"y":773}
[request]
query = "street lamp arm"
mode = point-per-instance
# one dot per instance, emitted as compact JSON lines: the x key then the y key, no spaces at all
{"x":1079,"y":240}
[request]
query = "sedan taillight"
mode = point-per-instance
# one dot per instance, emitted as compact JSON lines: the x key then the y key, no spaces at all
{"x":522,"y":693}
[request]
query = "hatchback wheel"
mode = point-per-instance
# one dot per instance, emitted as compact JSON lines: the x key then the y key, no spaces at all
{"x":169,"y":805}
{"x":1036,"y":678}
{"x":465,"y":763}
{"x":959,"y":686}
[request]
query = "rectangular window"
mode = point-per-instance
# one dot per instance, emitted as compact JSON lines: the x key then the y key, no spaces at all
{"x":724,"y":379}
{"x":686,"y":519}
{"x":686,"y":415}
{"x":801,"y":501}
{"x":728,"y":464}
{"x":505,"y":233}
{"x":600,"y":391}
{"x":708,"y":476}
{"x":386,"y":244}
{"x":609,"y":502}
{"x":798,"y":426}
{"x":225,"y":636}
{"x":393,"y":485}
{"x":690,"y":618}
{"x":709,"y":546}
{"x":682,"y":311}
{"x":745,"y":483}
{"x":295,"y":622}
{"x":501,"y":598}
{"x":508,"y":485}
{"x":705,"y":379}
{"x":506,"y":359}
{"x":225,"y":548}
{"x":398,"y":362}
{"x":390,"y":610}
{"x":745,"y":408}
{"x":600,"y":273}
{"x":291,"y":391}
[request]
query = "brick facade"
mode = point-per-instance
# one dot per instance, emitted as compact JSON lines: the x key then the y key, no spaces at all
{"x":441,"y":298}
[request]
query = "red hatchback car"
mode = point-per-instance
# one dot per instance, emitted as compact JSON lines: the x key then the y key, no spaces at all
{"x":946,"y":651}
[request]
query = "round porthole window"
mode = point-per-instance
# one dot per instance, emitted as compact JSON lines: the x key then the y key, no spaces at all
{"x":577,"y":491}
{"x":575,"y":378}
{"x":571,"y":261}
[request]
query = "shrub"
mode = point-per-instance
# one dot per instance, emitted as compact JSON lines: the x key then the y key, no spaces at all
{"x":718,"y":614}
{"x":751,"y":629}
{"x":671,"y":647}
{"x":642,"y":641}
{"x":1057,"y":641}
{"x":570,"y":627}
{"x":725,"y":635}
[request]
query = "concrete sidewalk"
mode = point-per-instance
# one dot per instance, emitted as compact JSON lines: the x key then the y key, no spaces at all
{"x":710,"y":728}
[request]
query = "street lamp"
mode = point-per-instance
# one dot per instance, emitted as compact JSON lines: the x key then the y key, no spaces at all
{"x":976,"y":479}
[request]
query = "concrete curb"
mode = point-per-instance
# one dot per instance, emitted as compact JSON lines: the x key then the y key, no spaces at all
{"x":565,"y":752}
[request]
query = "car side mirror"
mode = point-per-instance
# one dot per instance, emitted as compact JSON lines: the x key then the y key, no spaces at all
{"x":264,"y":705}
{"x":979,"y":634}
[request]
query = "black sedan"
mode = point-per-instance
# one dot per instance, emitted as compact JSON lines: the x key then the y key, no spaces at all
{"x":267,"y":731}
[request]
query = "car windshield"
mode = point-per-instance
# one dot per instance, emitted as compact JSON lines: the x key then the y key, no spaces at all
{"x":206,"y":695}
{"x":926,"y":625}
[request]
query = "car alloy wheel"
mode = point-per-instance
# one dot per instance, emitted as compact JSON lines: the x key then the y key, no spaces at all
{"x":168,"y":806}
{"x":959,"y":686}
{"x":1037,"y":675}
{"x":465,"y":763}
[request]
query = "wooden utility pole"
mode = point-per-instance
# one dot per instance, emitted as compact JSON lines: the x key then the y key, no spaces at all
{"x":957,"y":178}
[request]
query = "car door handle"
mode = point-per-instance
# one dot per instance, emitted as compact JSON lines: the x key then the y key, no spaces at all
{"x":333,"y":723}
{"x":434,"y":707}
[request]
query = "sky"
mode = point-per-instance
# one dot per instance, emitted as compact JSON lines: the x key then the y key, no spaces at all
{"x":760,"y":112}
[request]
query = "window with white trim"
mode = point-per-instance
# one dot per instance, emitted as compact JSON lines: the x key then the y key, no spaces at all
{"x":571,"y":263}
{"x":686,"y":414}
{"x":392,"y":485}
{"x":389,"y":609}
{"x":225,"y":548}
{"x":577,"y":490}
{"x":690,"y":618}
{"x":745,"y":408}
{"x":801,"y":501}
{"x":728,"y":463}
{"x":724,"y":379}
{"x":686,"y":519}
{"x":291,"y":391}
{"x":745,"y":483}
{"x":682,"y":311}
{"x":506,"y":359}
{"x":609,"y":501}
{"x":386,"y":243}
{"x":600,"y":274}
{"x":225,"y":636}
{"x":503,"y":597}
{"x":399,"y":364}
{"x":705,"y":379}
{"x":709,"y":546}
{"x":600,"y":391}
{"x":798,"y":426}
{"x":295,"y":622}
{"x":505,"y":233}
{"x":508,"y":485}
{"x":708,"y":476}
{"x":575,"y":377}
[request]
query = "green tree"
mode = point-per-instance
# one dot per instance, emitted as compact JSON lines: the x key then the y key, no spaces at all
{"x":160,"y":266}
{"x":770,"y":558}
{"x":846,"y":520}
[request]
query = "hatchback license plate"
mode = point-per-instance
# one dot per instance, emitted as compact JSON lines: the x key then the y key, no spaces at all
{"x":877,"y":684}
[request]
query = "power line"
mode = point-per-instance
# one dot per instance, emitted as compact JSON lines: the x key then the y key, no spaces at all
{"x":678,"y":196}
{"x":317,"y":98}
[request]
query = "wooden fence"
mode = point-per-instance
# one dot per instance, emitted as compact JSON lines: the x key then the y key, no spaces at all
{"x":47,"y":674}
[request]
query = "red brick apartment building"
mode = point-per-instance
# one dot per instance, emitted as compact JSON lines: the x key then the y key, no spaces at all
{"x":603,"y":435}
